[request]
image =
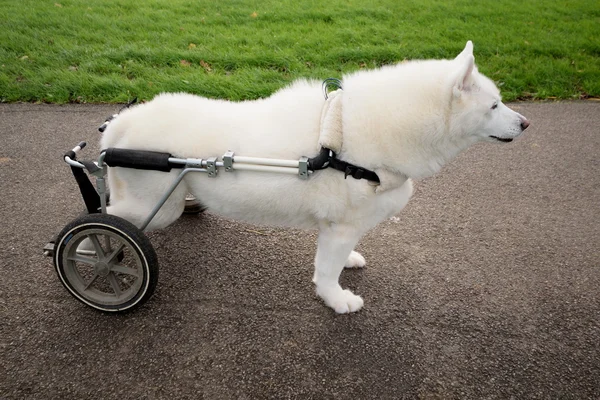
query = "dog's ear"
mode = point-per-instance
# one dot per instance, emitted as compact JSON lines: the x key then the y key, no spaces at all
{"x":464,"y":75}
{"x":467,"y":51}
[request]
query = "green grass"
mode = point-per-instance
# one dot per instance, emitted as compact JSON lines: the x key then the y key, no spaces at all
{"x":112,"y":50}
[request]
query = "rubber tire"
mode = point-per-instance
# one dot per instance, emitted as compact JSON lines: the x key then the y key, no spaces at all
{"x":127,"y":231}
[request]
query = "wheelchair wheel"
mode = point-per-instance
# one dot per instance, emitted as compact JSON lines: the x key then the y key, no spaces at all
{"x":120,"y":273}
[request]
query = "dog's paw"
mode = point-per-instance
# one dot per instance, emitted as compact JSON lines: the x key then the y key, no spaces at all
{"x":342,"y":301}
{"x":355,"y":260}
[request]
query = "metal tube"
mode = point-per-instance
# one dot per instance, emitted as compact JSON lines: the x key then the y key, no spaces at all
{"x":101,"y":185}
{"x":272,"y":162}
{"x":73,"y":163}
{"x":266,"y":161}
{"x":165,"y":196}
{"x":264,"y":168}
{"x":192,"y":161}
{"x":184,"y":161}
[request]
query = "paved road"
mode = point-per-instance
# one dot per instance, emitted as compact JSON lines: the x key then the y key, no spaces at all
{"x":486,"y":286}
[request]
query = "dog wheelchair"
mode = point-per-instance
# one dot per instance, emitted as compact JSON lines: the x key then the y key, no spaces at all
{"x":117,"y":268}
{"x":121,"y":272}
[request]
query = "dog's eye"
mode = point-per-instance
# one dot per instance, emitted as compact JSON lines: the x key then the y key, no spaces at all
{"x":495,"y":106}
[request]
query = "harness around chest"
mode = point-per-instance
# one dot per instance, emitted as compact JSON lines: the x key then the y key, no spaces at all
{"x":331,"y":137}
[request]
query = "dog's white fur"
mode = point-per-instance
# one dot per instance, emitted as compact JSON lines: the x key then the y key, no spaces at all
{"x":409,"y":119}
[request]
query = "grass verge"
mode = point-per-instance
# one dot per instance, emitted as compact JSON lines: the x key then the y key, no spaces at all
{"x":112,"y":50}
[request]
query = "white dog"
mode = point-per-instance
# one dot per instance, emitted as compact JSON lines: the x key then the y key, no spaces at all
{"x":402,"y":122}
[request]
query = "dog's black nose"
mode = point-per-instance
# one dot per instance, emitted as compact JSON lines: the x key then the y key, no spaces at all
{"x":524,"y":124}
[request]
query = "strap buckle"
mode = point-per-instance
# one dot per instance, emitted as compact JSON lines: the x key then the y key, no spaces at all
{"x":353,"y":171}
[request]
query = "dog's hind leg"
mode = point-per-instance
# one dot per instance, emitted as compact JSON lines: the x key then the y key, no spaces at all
{"x":335,"y":244}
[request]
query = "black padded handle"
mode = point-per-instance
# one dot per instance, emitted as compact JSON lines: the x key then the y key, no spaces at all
{"x":138,"y":159}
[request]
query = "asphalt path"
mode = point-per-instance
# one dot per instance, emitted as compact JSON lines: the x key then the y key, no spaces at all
{"x":486,"y":286}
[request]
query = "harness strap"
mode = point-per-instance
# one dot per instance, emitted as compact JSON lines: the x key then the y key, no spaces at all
{"x":331,"y":136}
{"x":87,"y":189}
{"x":327,"y":159}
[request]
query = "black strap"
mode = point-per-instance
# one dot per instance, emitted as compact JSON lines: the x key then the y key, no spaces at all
{"x":327,"y":159}
{"x":353,"y":170}
{"x":87,"y":189}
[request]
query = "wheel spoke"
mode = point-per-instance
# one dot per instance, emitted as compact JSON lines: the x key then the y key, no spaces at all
{"x":125,"y":270}
{"x":90,"y":282}
{"x":97,"y":246}
{"x":114,"y":284}
{"x":114,"y":253}
{"x":82,"y":259}
{"x":107,"y":243}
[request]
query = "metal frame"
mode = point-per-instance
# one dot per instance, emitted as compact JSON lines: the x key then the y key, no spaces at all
{"x":229,"y":162}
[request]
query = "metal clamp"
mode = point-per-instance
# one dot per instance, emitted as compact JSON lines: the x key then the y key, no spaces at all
{"x":228,"y":161}
{"x":303,"y":168}
{"x":211,"y":167}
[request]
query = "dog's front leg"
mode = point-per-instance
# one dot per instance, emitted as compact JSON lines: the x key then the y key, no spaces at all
{"x":335,"y":244}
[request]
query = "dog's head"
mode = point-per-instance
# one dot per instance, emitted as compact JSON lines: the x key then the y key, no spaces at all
{"x":477,"y":108}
